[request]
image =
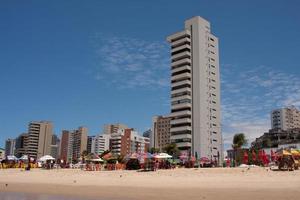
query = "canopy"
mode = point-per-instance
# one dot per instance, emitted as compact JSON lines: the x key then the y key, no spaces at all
{"x":204,"y":159}
{"x":97,"y":160}
{"x":11,"y":157}
{"x":162,"y":155}
{"x":46,"y":157}
{"x":295,"y":152}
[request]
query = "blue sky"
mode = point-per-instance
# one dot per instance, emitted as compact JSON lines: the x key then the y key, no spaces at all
{"x":95,"y":62}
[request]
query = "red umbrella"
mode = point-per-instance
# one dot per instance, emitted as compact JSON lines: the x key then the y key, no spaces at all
{"x":272,"y":155}
{"x":260,"y":155}
{"x":265,"y":159}
{"x":245,"y":157}
{"x":253,"y":156}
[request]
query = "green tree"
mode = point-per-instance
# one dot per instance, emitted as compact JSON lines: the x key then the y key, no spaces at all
{"x":238,"y":141}
{"x":154,"y":150}
{"x":172,"y":149}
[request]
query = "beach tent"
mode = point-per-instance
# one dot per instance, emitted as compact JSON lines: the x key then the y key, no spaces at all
{"x":45,"y":158}
{"x":162,"y":156}
{"x":12,"y":158}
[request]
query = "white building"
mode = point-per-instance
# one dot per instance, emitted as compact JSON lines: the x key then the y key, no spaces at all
{"x":100,"y":143}
{"x":10,"y":146}
{"x":195,"y":92}
{"x":285,"y":118}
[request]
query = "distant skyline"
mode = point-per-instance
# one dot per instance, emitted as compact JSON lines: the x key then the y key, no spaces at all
{"x":97,"y":62}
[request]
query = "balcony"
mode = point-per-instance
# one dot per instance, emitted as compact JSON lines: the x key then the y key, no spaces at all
{"x":180,"y":113}
{"x":181,"y":105}
{"x":181,"y":62}
{"x":184,"y":67}
{"x":180,"y":121}
{"x":178,"y":35}
{"x":181,"y":136}
{"x":182,"y":55}
{"x":187,"y":89}
{"x":182,"y":128}
{"x":184,"y":144}
{"x":181,"y":76}
{"x":186,"y":46}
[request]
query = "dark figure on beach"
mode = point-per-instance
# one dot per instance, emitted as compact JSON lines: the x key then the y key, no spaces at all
{"x":28,"y":165}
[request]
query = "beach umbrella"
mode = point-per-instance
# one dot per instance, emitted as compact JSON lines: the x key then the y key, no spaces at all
{"x":97,"y":160}
{"x":45,"y":158}
{"x":204,"y":159}
{"x":12,"y":158}
{"x":162,"y":156}
{"x":134,"y":156}
{"x":107,"y":156}
{"x":245,"y":157}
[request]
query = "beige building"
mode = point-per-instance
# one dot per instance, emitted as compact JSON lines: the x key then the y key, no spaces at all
{"x":39,"y":138}
{"x":195,"y":92}
{"x":73,"y":143}
{"x":285,"y":118}
{"x":160,"y":135}
{"x":113,"y":128}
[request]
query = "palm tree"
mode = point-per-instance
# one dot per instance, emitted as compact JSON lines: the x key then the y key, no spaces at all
{"x":238,"y":141}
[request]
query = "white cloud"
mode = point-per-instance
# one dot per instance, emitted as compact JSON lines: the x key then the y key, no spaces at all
{"x":249,"y":96}
{"x":130,"y":63}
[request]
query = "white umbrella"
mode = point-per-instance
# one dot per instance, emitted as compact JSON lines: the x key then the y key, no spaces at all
{"x":162,"y":155}
{"x":46,"y":157}
{"x":97,"y":160}
{"x":12,"y":158}
{"x":24,"y":157}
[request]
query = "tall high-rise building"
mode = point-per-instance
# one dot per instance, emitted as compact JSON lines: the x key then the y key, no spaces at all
{"x":285,"y":118}
{"x":73,"y":143}
{"x":39,"y":138}
{"x":160,"y":135}
{"x":10,"y":145}
{"x":195,"y":92}
{"x":21,"y":145}
{"x":90,"y":144}
{"x":55,"y":144}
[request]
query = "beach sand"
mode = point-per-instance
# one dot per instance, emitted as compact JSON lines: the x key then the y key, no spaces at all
{"x":215,"y":183}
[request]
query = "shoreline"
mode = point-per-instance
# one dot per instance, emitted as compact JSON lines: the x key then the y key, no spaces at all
{"x":233,"y":183}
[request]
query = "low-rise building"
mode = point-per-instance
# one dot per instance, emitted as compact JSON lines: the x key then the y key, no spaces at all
{"x":128,"y":141}
{"x":277,"y":138}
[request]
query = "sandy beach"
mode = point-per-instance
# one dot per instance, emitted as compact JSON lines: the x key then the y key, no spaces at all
{"x":216,"y":183}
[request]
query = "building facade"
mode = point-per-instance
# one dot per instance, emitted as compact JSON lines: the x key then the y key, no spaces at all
{"x":113,"y":128}
{"x":195,"y":90}
{"x":54,"y":147}
{"x":285,"y":118}
{"x":160,"y":136}
{"x":100,"y":143}
{"x":21,"y":145}
{"x":277,"y":138}
{"x":10,"y":146}
{"x":128,"y":141}
{"x":73,"y":144}
{"x":90,"y":146}
{"x":2,"y":154}
{"x":39,"y":138}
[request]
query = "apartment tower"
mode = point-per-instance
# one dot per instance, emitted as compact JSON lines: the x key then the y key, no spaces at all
{"x":39,"y":138}
{"x":160,"y":135}
{"x":285,"y":118}
{"x":195,"y":90}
